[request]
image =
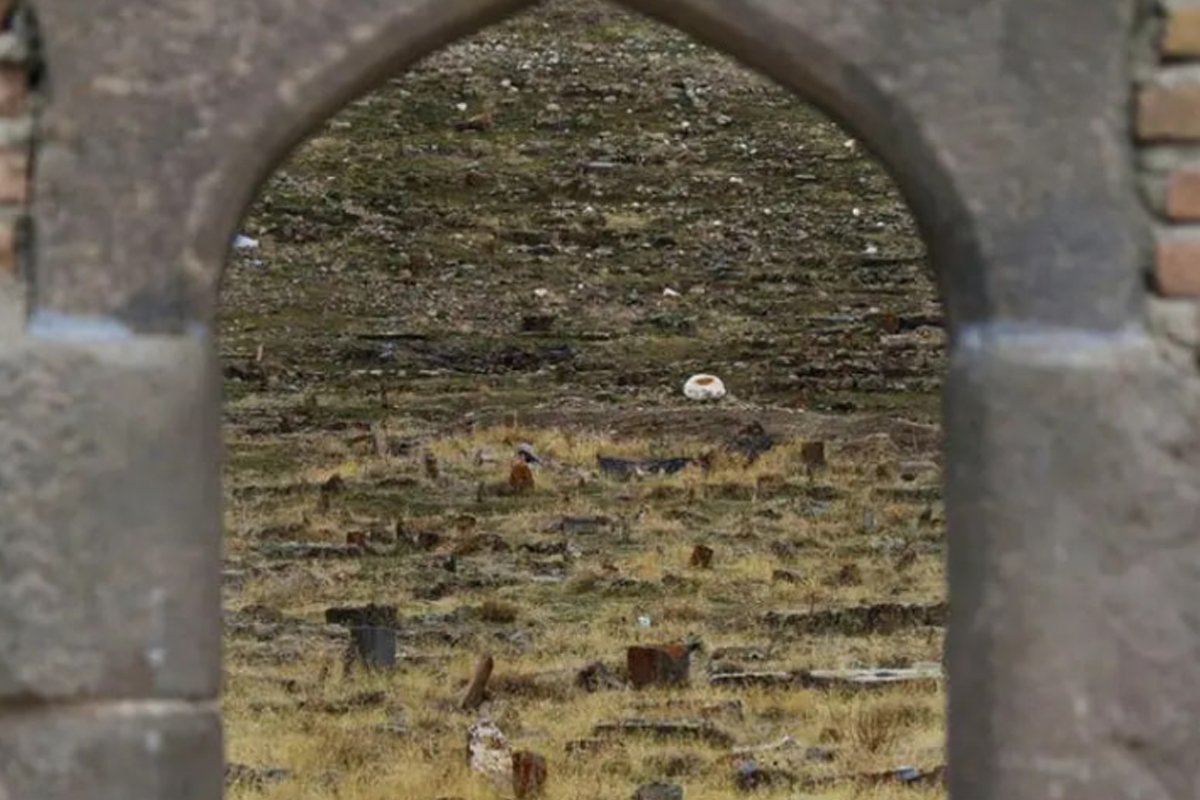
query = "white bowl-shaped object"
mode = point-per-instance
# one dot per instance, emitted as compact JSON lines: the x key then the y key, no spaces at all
{"x":704,"y":387}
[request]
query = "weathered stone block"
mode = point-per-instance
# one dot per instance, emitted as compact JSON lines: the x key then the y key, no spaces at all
{"x":121,"y":751}
{"x":658,"y":665}
{"x":110,"y":514}
{"x":529,"y":774}
{"x":372,"y":647}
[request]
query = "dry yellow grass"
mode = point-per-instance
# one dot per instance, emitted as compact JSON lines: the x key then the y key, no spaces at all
{"x":541,"y":633}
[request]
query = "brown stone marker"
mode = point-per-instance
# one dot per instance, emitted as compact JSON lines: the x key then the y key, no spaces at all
{"x":702,"y":556}
{"x":812,"y":455}
{"x":373,"y":647}
{"x":529,"y":774}
{"x":658,"y":665}
{"x":520,"y":477}
{"x":473,"y":699}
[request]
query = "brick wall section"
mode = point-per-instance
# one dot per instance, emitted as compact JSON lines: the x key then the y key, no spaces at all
{"x":16,"y":137}
{"x":1167,"y":130}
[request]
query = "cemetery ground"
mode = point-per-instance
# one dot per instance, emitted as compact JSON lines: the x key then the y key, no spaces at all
{"x":534,"y":237}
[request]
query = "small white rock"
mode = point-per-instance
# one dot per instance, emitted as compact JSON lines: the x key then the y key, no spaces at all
{"x":245,"y":243}
{"x":541,"y":292}
{"x":704,"y":387}
{"x":669,"y":292}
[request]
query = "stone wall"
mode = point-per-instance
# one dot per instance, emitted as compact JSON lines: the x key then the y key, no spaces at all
{"x":1073,"y":424}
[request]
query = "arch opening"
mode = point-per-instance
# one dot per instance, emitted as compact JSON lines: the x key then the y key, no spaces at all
{"x":463,"y":262}
{"x":844,"y":91}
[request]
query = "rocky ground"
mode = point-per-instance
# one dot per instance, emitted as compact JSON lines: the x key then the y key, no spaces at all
{"x":534,"y":238}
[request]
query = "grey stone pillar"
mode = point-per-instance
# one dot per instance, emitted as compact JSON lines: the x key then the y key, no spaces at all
{"x":1074,"y":524}
{"x":110,"y":656}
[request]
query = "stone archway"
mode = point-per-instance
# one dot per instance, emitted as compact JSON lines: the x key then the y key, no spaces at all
{"x":1073,"y":432}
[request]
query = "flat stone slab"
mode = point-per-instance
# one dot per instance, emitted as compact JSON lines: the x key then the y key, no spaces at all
{"x":916,"y":495}
{"x":830,"y":679}
{"x":694,"y":730}
{"x":878,"y":618}
{"x":310,"y":550}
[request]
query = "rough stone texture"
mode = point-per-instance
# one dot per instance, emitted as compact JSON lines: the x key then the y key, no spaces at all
{"x":110,"y":511}
{"x":1005,"y":122}
{"x":1074,"y":437}
{"x":147,"y":751}
{"x":1073,"y":638}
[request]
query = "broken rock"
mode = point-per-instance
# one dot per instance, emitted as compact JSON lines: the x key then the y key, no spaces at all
{"x":488,"y":753}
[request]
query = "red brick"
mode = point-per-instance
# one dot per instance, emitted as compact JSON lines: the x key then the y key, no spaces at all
{"x":14,"y":176}
{"x":8,"y":248}
{"x":14,"y":91}
{"x":1169,"y":113}
{"x":1177,"y":267}
{"x":1181,"y":37}
{"x":1182,"y":200}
